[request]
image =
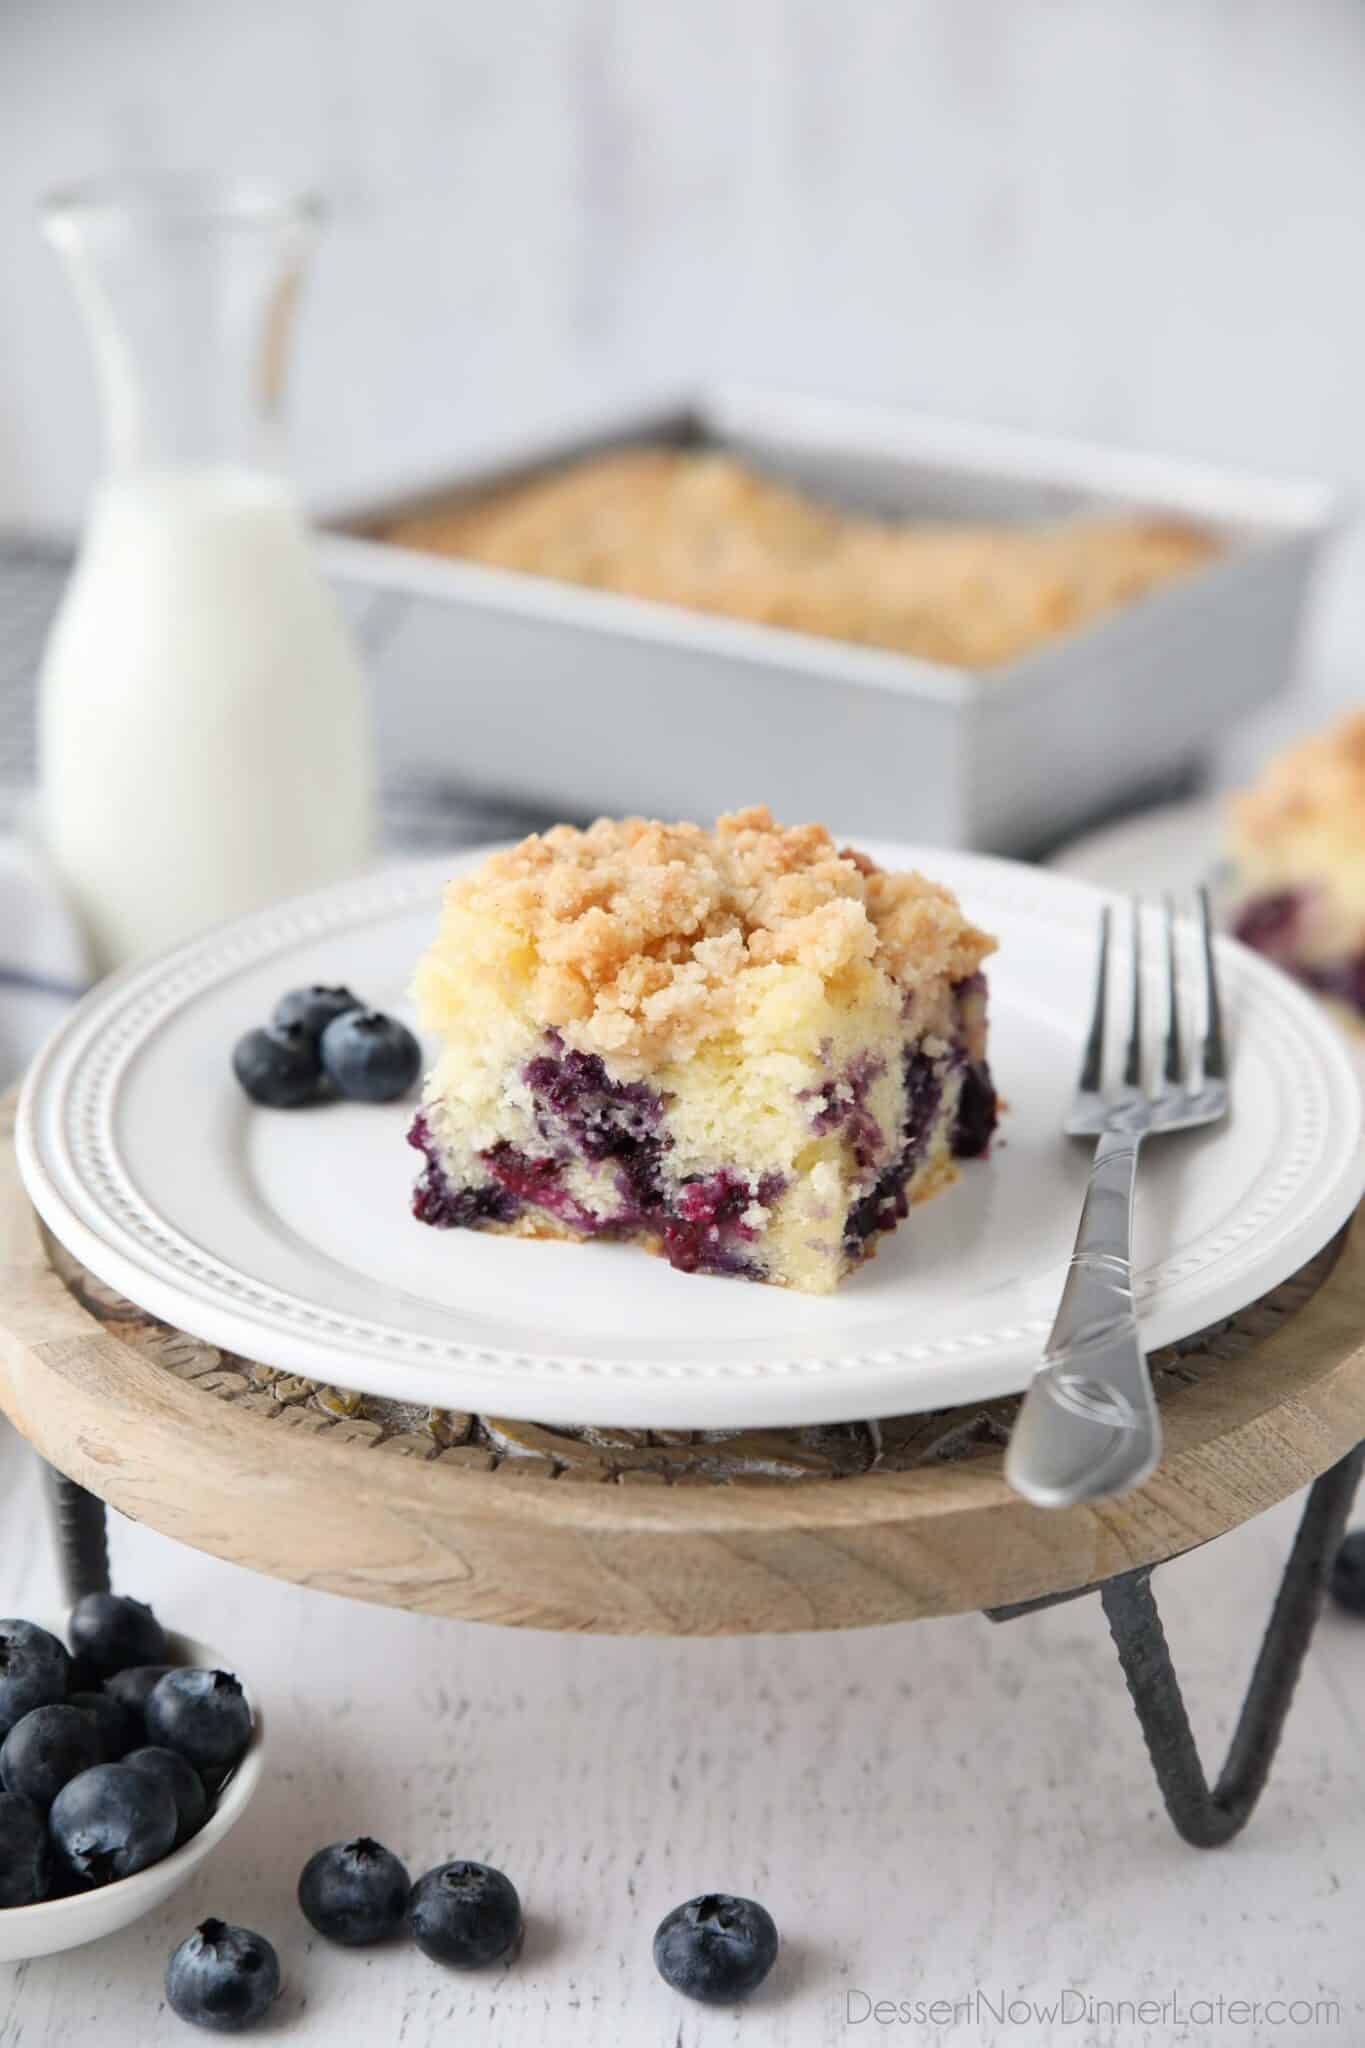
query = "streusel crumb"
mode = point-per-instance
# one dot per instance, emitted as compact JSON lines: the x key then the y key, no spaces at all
{"x":694,"y":527}
{"x":643,"y":939}
{"x":1316,"y":787}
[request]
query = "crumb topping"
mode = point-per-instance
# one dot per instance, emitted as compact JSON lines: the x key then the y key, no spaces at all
{"x":641,"y":936}
{"x":695,"y":527}
{"x":1314,"y":788}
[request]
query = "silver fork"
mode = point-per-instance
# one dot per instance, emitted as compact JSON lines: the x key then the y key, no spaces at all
{"x":1089,"y":1425}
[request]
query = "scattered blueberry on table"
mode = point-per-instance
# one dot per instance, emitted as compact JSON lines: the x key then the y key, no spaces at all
{"x":321,"y":1043}
{"x":465,"y":1914}
{"x":355,"y":1892}
{"x":716,"y":1948}
{"x":1347,"y":1582}
{"x":223,"y":1978}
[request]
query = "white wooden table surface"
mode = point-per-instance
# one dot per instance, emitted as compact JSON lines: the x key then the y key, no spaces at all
{"x":952,"y":1811}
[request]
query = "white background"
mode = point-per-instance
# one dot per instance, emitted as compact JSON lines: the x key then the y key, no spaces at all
{"x":1141,"y":222}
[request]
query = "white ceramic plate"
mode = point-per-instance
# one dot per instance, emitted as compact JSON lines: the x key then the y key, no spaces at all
{"x":1172,"y":847}
{"x":286,"y":1236}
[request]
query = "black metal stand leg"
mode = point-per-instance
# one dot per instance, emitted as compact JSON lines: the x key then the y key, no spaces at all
{"x":78,"y":1521}
{"x":1207,"y":1818}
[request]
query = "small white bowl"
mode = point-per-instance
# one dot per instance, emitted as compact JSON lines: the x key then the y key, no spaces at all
{"x":27,"y":1931}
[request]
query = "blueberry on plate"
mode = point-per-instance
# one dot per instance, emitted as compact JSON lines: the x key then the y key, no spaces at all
{"x":313,"y":1009}
{"x":223,"y":1978}
{"x":1348,"y":1574}
{"x":108,"y":1632}
{"x":46,"y":1749}
{"x":111,"y":1822}
{"x":34,"y":1670}
{"x":279,"y":1069}
{"x":354,"y":1892}
{"x":120,"y":1725}
{"x":716,"y":1948}
{"x":370,"y":1057}
{"x":133,"y":1687}
{"x":25,"y":1854}
{"x":182,"y":1781}
{"x":202,"y":1714}
{"x":465,"y":1914}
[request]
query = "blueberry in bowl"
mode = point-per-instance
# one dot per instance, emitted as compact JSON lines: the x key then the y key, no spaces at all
{"x":110,"y":1822}
{"x":46,"y":1749}
{"x":120,"y":1725}
{"x":25,"y":1853}
{"x":109,"y":1632}
{"x":35,"y":1670}
{"x":62,"y":1882}
{"x":182,"y":1781}
{"x":202,"y":1714}
{"x":132,"y":1689}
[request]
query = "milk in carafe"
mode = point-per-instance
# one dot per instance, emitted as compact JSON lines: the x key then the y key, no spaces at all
{"x":203,"y":721}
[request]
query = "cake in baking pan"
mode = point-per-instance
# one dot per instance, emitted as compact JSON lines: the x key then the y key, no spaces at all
{"x":695,"y":527}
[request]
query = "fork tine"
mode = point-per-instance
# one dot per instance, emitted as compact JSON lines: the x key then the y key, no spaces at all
{"x":1175,"y":1058}
{"x":1215,"y":1053}
{"x":1132,"y":1066}
{"x":1092,"y":1066}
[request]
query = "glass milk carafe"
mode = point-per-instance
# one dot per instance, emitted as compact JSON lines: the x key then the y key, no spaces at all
{"x":203,"y":722}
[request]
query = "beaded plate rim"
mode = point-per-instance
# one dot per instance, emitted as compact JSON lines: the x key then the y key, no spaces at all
{"x":70,"y":1163}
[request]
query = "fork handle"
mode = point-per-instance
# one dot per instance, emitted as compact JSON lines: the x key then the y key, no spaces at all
{"x":1098,"y":1293}
{"x":1089,"y":1426}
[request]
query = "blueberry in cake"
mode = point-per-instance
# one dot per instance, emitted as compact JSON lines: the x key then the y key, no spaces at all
{"x":746,"y":1049}
{"x":1296,"y":841}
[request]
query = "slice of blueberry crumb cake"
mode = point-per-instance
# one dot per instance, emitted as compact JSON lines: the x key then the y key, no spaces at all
{"x":746,"y":1049}
{"x":1296,"y":846}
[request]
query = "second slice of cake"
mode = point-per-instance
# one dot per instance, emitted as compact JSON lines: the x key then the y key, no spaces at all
{"x":747,"y":1049}
{"x":1296,"y":848}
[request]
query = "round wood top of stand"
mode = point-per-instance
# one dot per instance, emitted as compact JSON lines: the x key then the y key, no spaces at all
{"x":633,"y":1532}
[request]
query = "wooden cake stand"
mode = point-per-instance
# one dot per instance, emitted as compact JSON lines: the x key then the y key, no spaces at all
{"x":686,"y":1533}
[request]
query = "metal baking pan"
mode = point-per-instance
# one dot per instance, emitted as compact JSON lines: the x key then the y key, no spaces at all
{"x":586,"y":701}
